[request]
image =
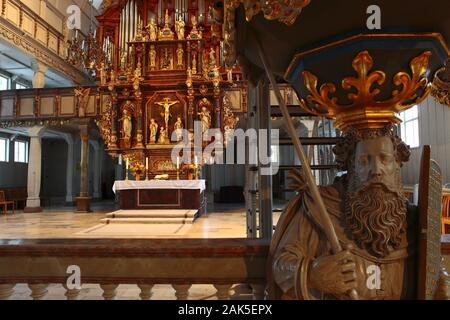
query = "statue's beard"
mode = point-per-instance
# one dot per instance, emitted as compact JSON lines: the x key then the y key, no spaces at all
{"x":376,"y":217}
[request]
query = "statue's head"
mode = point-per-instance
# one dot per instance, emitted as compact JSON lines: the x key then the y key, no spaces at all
{"x":375,"y":206}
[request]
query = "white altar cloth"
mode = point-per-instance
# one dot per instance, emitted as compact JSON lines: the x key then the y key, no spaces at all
{"x":159,"y":184}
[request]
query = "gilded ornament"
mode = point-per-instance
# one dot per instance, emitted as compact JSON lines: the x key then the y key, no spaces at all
{"x":166,"y":33}
{"x":229,"y":120}
{"x":365,"y":111}
{"x":82,"y":99}
{"x":440,"y":87}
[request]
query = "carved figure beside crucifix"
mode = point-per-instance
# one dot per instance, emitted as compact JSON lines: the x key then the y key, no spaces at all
{"x":205,"y":115}
{"x":178,"y":129}
{"x":153,"y":130}
{"x":127,"y":125}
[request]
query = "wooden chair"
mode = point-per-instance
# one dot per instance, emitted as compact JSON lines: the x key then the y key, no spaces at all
{"x":4,"y":203}
{"x":445,"y":212}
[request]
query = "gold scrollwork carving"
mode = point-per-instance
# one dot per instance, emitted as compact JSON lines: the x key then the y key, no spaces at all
{"x":440,"y":87}
{"x":365,"y":111}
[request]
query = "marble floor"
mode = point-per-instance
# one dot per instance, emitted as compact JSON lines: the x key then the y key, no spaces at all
{"x":222,"y":221}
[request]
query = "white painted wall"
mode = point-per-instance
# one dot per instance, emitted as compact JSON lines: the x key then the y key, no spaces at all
{"x":434,"y":130}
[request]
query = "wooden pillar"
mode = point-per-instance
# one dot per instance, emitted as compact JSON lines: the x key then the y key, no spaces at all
{"x":115,"y":110}
{"x":217,"y":108}
{"x":139,"y":131}
{"x":190,"y":124}
{"x":264,"y":169}
{"x":83,"y":201}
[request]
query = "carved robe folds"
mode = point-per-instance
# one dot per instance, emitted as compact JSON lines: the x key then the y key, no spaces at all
{"x":299,"y":240}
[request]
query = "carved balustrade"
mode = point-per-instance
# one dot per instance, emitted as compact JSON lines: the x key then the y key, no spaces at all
{"x":24,"y":28}
{"x":181,"y":263}
{"x":52,"y":106}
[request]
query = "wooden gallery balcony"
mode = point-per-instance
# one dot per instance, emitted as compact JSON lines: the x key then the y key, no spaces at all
{"x":52,"y":106}
{"x":180,"y":263}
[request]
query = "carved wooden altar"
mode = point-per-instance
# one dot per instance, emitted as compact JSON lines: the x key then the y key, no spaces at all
{"x":161,"y":73}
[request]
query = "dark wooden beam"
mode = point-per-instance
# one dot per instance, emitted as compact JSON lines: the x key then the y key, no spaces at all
{"x":313,"y":167}
{"x":312,"y":141}
{"x":294,"y":111}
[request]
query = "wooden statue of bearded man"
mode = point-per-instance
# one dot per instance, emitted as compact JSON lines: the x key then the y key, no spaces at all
{"x":372,"y":219}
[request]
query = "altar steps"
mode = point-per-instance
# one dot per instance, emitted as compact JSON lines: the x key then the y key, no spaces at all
{"x":152,"y":216}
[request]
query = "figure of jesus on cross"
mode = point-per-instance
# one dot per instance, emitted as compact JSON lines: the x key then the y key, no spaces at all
{"x":166,"y":104}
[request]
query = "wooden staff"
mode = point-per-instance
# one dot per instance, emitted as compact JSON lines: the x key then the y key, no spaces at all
{"x":326,"y":224}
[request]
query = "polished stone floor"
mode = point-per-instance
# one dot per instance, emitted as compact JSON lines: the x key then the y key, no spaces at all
{"x":222,"y":221}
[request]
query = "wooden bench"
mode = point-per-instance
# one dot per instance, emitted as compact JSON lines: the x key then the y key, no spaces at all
{"x":5,"y":203}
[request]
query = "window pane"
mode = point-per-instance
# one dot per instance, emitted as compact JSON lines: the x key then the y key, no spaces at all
{"x":409,"y":128}
{"x":3,"y":83}
{"x":20,"y":86}
{"x":275,"y":157}
{"x":415,"y":142}
{"x":20,"y":151}
{"x":3,"y":150}
{"x":411,"y":113}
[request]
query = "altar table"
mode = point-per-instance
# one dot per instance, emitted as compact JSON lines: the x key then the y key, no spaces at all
{"x":161,"y":194}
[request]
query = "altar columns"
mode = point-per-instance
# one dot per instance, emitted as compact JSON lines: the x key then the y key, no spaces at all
{"x":265,"y":179}
{"x":83,"y":201}
{"x":139,"y":131}
{"x":34,"y":170}
{"x":115,"y":110}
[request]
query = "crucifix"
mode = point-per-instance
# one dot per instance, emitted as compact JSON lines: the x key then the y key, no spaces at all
{"x":166,"y":104}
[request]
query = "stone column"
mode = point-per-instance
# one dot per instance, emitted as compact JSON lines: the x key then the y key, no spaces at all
{"x":69,"y":169}
{"x":34,"y":170}
{"x":265,"y":177}
{"x":83,"y":201}
{"x":40,"y":70}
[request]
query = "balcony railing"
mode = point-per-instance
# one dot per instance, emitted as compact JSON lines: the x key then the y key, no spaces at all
{"x":180,"y":263}
{"x":50,"y":106}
